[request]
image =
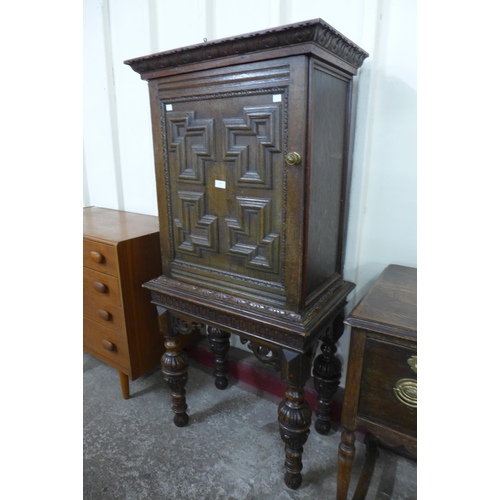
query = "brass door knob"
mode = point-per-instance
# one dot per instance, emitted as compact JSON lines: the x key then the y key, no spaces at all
{"x":293,"y":158}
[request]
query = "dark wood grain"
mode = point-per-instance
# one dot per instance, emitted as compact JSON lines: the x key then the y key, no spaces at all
{"x":329,"y":97}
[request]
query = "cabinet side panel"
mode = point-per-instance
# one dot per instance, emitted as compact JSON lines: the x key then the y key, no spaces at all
{"x":140,"y":261}
{"x":329,"y":98}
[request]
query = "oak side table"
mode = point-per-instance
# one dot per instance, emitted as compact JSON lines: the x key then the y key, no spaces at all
{"x":381,"y":385}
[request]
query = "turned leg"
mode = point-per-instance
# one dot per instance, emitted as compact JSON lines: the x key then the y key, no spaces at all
{"x":327,"y":371}
{"x":345,"y":460}
{"x":174,"y":366}
{"x":219,"y":344}
{"x":294,"y":414}
{"x":124,"y":385}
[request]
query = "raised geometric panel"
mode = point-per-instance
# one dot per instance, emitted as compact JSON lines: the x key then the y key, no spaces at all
{"x":195,"y":229}
{"x":250,"y":235}
{"x":191,"y":142}
{"x":250,"y":144}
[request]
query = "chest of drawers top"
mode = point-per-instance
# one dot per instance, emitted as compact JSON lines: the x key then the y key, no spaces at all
{"x":113,"y":226}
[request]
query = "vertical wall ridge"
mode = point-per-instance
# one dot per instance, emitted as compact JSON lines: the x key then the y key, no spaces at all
{"x":363,"y":146}
{"x":210,"y":19}
{"x":153,"y":27}
{"x":86,"y":192}
{"x":108,"y":48}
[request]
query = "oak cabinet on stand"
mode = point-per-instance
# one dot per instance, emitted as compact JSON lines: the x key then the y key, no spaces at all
{"x":251,"y":139}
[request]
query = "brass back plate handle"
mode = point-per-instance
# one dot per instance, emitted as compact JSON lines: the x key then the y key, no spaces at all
{"x":406,"y":392}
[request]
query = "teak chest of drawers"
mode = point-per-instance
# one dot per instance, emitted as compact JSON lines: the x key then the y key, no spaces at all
{"x":381,"y":384}
{"x":121,"y":250}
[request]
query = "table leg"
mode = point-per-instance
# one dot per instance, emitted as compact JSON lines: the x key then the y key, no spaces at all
{"x":346,"y":457}
{"x":327,"y":372}
{"x":294,"y":414}
{"x":174,"y":365}
{"x":124,"y":385}
{"x":219,"y":344}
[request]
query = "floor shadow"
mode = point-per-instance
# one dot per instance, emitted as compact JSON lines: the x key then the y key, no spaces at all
{"x":155,"y":387}
{"x":218,"y":408}
{"x":387,"y":478}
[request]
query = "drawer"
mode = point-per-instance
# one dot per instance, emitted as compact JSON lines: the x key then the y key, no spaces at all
{"x":385,"y":366}
{"x":101,"y":287}
{"x":107,"y":315}
{"x":105,"y":342}
{"x":100,"y":257}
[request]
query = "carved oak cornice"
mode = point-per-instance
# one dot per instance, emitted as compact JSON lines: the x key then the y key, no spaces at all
{"x":315,"y":31}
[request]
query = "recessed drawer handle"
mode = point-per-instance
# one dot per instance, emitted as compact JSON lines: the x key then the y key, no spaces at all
{"x":100,"y":287}
{"x":97,"y":257}
{"x":109,"y":346}
{"x":406,"y":392}
{"x":104,"y":315}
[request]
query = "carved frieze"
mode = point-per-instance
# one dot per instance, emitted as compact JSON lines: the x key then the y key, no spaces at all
{"x":315,"y":31}
{"x":212,"y":316}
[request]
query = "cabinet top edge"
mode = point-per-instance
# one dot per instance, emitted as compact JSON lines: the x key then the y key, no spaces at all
{"x":315,"y":31}
{"x":390,"y":305}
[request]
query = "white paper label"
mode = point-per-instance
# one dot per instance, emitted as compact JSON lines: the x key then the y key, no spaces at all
{"x":169,"y":107}
{"x":220,"y":184}
{"x":277,"y":98}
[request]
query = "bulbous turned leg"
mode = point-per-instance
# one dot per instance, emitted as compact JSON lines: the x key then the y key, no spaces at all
{"x":294,"y":413}
{"x":327,"y":370}
{"x":174,"y":366}
{"x":346,"y":457}
{"x":294,"y":417}
{"x":219,"y":344}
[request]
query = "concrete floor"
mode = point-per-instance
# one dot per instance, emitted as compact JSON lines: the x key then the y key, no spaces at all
{"x":231,"y":449}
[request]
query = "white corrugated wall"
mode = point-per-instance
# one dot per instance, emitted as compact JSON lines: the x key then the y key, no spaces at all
{"x":118,"y":152}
